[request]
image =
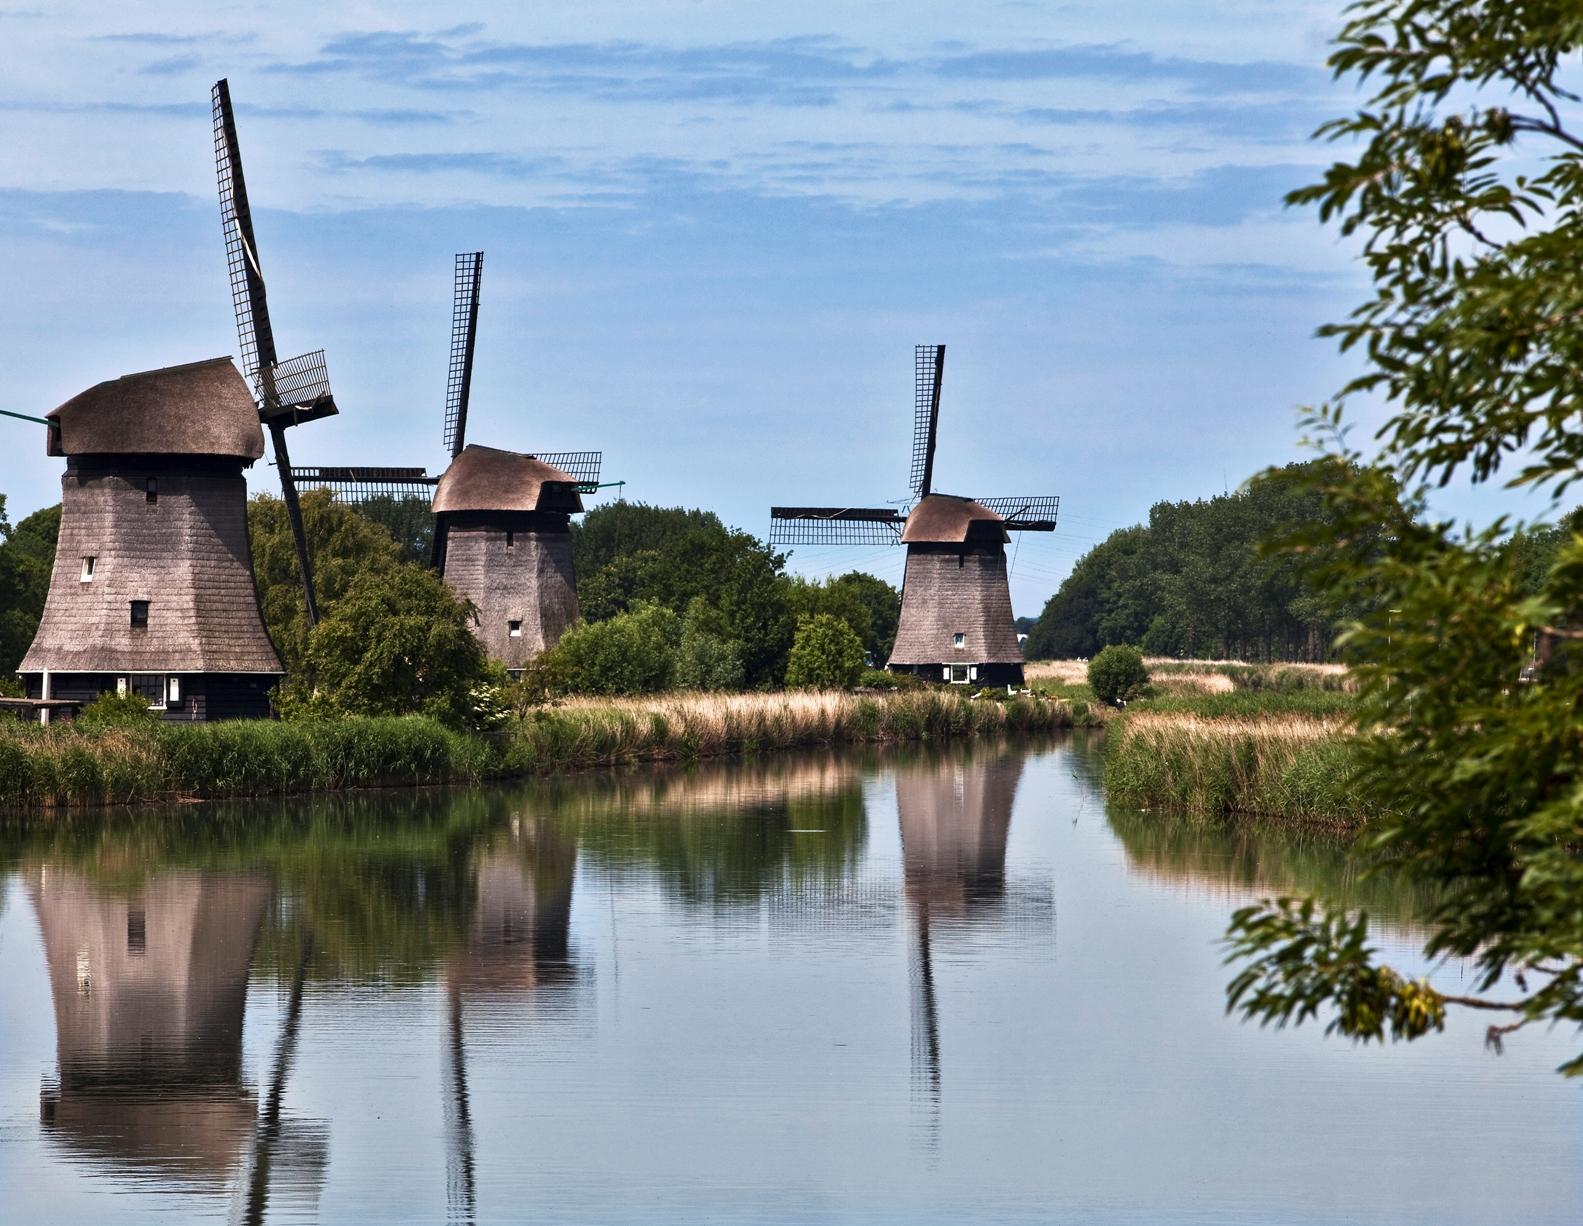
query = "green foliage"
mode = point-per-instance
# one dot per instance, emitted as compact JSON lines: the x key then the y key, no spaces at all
{"x":631,"y":653}
{"x":707,"y":657}
{"x":628,"y":554}
{"x":397,"y":643}
{"x":27,"y":556}
{"x":827,"y":654}
{"x":1464,"y":186}
{"x":344,"y":546}
{"x":409,"y":521}
{"x":1117,"y":674}
{"x":111,"y":709}
{"x":1299,"y":959}
{"x":880,"y":679}
{"x":1198,"y":580}
{"x":867,"y":604}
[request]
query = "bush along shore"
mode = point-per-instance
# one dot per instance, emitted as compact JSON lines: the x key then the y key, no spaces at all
{"x":67,"y":766}
{"x":1270,"y":755}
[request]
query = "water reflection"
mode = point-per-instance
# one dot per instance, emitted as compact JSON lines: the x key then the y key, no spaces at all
{"x":749,"y":991}
{"x":955,"y":816}
{"x":149,"y":992}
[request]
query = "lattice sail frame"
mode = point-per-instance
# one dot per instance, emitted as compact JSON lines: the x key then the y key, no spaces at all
{"x":835,"y":526}
{"x":464,"y":336}
{"x":360,"y":484}
{"x":298,"y":388}
{"x":928,"y":368}
{"x":1029,"y":513}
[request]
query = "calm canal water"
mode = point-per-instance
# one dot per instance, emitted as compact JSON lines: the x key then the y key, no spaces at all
{"x":940,"y":986}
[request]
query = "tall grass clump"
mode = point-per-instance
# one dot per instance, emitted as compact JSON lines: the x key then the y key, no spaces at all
{"x":1290,"y":766}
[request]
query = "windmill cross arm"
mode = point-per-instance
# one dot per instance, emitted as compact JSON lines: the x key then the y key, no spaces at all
{"x":873,"y":515}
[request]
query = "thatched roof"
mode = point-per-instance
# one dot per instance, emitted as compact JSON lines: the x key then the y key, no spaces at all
{"x":947,"y":519}
{"x":488,"y":479}
{"x":202,"y":408}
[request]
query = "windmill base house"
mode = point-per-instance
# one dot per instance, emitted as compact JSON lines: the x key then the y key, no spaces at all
{"x":502,"y":539}
{"x":152,"y":591}
{"x":956,"y":621}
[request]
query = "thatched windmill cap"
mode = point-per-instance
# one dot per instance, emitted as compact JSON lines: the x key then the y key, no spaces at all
{"x":947,"y":519}
{"x":488,"y":479}
{"x":200,"y":409}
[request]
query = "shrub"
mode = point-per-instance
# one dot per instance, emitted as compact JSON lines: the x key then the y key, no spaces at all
{"x":110,"y":709}
{"x":631,"y":653}
{"x":880,"y":679}
{"x":1117,"y":673}
{"x":826,"y":654}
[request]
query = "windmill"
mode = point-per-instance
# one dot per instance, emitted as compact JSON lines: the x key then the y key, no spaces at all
{"x":956,"y":622}
{"x":502,"y":532}
{"x":289,"y":392}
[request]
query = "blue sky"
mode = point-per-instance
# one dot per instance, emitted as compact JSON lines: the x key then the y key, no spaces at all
{"x":714,"y":231}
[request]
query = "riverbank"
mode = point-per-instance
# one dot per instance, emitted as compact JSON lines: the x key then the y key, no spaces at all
{"x":44,"y":769}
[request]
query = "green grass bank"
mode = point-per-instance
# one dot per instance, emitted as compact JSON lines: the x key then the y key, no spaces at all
{"x":43,"y":769}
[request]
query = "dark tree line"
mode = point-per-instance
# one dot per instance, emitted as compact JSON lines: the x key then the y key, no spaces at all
{"x":1200,"y":579}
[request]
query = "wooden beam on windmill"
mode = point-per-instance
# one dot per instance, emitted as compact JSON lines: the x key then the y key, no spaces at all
{"x":290,"y":392}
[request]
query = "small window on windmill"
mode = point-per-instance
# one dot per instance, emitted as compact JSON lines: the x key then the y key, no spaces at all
{"x":511,"y":539}
{"x":958,"y":674}
{"x":140,"y":615}
{"x":959,"y":639}
{"x":152,"y":488}
{"x":150,"y":687}
{"x":514,"y":628}
{"x":87,"y":567}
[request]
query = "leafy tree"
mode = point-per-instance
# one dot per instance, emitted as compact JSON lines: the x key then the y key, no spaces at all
{"x":707,"y":657}
{"x":866,"y":603}
{"x":345,"y":547}
{"x":27,"y":556}
{"x":397,"y":642}
{"x":628,"y":554}
{"x":826,"y":654}
{"x":409,"y":521}
{"x":1199,"y":580}
{"x":1465,"y":190}
{"x":631,"y":653}
{"x":1117,"y":673}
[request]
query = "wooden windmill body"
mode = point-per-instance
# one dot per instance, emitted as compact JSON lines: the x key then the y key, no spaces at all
{"x":956,"y":621}
{"x":152,"y":589}
{"x":502,"y":519}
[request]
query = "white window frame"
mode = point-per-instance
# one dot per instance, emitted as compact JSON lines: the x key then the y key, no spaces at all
{"x":88,"y":562}
{"x":951,"y":671}
{"x":172,"y":692}
{"x":159,"y":678}
{"x":514,"y":627}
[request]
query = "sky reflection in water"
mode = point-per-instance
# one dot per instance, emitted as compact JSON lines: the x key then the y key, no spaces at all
{"x":924,"y":985}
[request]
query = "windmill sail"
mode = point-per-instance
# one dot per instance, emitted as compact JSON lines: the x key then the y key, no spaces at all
{"x":464,"y":332}
{"x":1030,"y":513}
{"x":287,"y":392}
{"x":928,"y":370}
{"x":835,"y":526}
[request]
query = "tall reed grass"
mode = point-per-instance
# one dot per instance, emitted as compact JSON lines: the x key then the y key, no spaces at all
{"x":64,"y":766}
{"x":1292,"y":766}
